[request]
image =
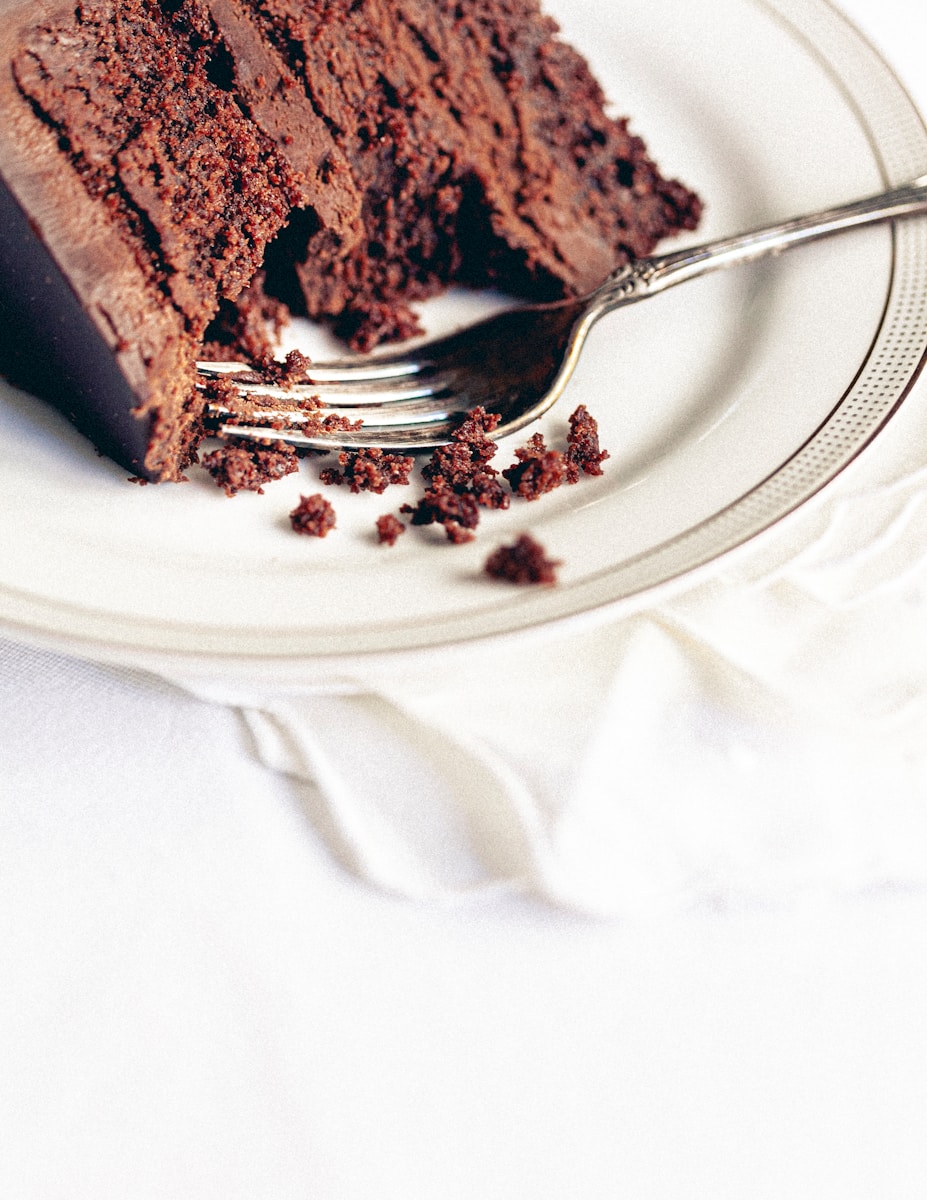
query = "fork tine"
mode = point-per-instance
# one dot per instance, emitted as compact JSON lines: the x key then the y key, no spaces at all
{"x":400,"y":436}
{"x":359,"y":393}
{"x":362,"y":395}
{"x":387,"y":414}
{"x":336,"y":372}
{"x":358,"y":387}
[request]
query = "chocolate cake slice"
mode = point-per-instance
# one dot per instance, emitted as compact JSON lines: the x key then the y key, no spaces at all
{"x":167,"y":169}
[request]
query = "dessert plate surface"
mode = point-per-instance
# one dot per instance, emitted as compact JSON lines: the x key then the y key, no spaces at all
{"x":725,"y":404}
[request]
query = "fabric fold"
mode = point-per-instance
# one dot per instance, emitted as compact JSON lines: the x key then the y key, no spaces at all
{"x":758,"y":734}
{"x":369,"y":778}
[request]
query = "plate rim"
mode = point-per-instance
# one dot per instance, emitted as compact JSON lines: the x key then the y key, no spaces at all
{"x":636,"y":581}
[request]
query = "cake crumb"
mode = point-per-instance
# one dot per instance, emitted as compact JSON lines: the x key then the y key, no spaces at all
{"x":583,"y":450}
{"x":525,"y":561}
{"x":442,"y":505}
{"x":369,"y":470}
{"x":466,"y":456}
{"x":537,"y":469}
{"x":458,"y":534}
{"x":292,"y":370}
{"x":313,"y":516}
{"x":295,"y":367}
{"x":462,"y":481}
{"x":389,"y":529}
{"x":244,"y":466}
{"x":485,"y":488}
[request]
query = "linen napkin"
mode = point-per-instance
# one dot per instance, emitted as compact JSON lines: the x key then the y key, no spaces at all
{"x":761,"y":734}
{"x":755,"y":735}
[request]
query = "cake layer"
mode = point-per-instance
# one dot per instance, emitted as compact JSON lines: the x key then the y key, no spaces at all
{"x":351,"y":157}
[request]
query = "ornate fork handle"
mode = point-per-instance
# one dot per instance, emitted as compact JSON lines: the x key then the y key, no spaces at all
{"x":648,"y":276}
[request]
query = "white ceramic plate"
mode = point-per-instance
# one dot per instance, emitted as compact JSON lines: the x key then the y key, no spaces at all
{"x":724,"y":404}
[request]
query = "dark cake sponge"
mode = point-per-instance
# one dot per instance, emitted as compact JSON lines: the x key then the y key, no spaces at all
{"x":349,"y":156}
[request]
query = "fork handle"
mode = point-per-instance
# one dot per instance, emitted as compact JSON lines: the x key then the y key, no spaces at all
{"x":647,"y":276}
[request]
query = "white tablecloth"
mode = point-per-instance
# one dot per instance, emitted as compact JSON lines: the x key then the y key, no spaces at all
{"x":234,"y":967}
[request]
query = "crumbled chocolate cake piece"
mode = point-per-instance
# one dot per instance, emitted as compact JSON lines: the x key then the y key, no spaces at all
{"x":525,"y":561}
{"x":537,"y":469}
{"x":583,"y":450}
{"x":266,"y":368}
{"x":313,"y":516}
{"x":469,"y":451}
{"x":174,"y":173}
{"x":487,"y":490}
{"x":240,"y":465}
{"x":458,"y":534}
{"x":462,"y":466}
{"x":369,"y":470}
{"x":442,"y":505}
{"x":295,"y":368}
{"x":389,"y":529}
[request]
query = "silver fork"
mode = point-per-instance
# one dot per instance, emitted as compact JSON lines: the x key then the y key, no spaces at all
{"x":516,"y":363}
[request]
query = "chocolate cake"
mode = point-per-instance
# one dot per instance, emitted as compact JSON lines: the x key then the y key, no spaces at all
{"x":313,"y":516}
{"x":524,"y":561}
{"x":170,"y":169}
